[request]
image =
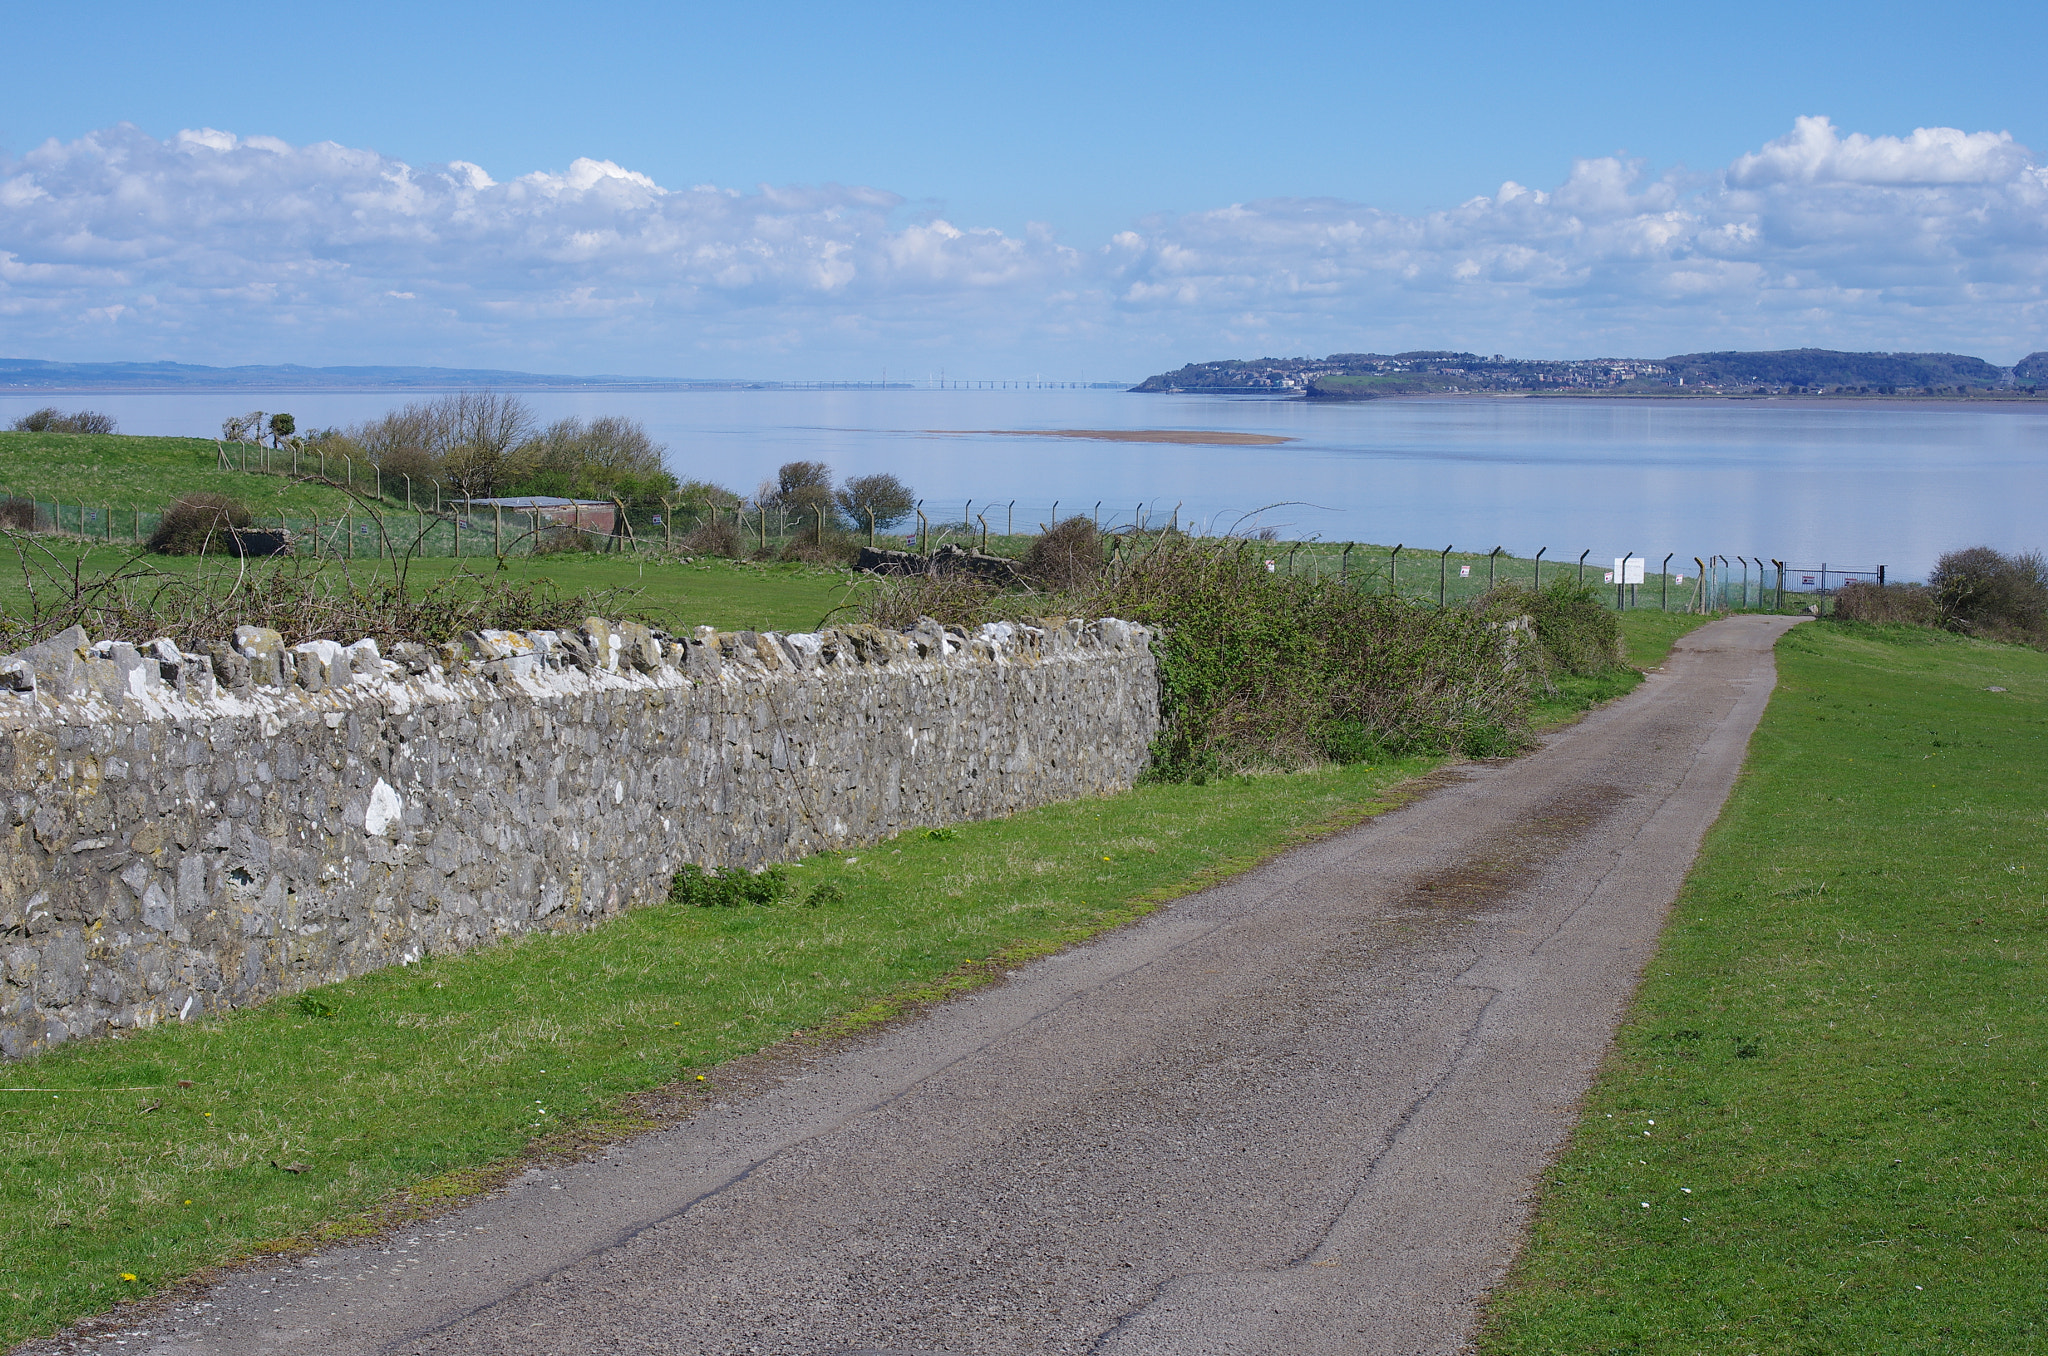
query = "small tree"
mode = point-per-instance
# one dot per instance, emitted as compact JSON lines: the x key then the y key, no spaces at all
{"x":282,"y":426}
{"x":801,"y":489}
{"x":889,"y":499}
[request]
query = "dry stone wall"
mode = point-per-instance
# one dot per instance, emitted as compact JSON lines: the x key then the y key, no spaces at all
{"x":192,"y":832}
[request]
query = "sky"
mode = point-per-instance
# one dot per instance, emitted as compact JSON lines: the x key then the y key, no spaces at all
{"x":1073,"y":191}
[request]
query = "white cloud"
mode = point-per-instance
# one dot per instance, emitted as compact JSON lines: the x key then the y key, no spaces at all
{"x":241,"y":245}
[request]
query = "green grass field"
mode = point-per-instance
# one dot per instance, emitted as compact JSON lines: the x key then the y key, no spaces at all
{"x":143,"y":474}
{"x":1821,"y":1129}
{"x":730,"y":595}
{"x":411,"y":1077}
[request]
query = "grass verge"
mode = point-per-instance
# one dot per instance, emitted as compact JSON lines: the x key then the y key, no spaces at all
{"x":171,"y":1150}
{"x":1821,"y":1127}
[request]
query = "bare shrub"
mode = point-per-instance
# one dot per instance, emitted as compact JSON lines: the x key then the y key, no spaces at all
{"x":50,"y":419}
{"x":561,"y":541}
{"x":721,"y":538}
{"x":1908,"y":604}
{"x":19,"y":514}
{"x":838,"y":548}
{"x":1066,"y":556}
{"x":195,"y":524}
{"x":954,"y":598}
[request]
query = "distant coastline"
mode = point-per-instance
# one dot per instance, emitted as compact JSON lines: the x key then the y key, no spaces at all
{"x":1806,"y":372}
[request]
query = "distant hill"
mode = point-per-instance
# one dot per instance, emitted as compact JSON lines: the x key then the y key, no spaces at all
{"x":1368,"y":376}
{"x":1825,"y":367}
{"x":31,"y":374}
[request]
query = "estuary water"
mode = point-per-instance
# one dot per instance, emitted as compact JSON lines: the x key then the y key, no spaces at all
{"x":1851,"y":486}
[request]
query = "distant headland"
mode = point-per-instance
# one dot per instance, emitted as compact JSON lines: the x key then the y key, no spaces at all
{"x":1796,"y":372}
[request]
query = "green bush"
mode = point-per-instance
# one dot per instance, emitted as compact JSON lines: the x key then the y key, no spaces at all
{"x":1991,"y":594}
{"x":1259,"y":669}
{"x":1265,"y":670}
{"x":1576,"y":631}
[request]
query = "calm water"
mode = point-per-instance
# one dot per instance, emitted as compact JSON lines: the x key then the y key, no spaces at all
{"x":1856,"y":486}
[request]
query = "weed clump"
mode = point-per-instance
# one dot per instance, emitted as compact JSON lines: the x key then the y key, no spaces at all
{"x":727,"y":887}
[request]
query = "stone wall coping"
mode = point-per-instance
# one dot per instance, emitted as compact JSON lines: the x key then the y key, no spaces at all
{"x":72,"y":680}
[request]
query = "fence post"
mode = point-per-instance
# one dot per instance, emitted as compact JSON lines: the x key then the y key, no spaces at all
{"x":1539,"y":567}
{"x":1009,"y":523}
{"x":1582,"y":564}
{"x":1621,"y":588}
{"x":1880,"y":576}
{"x":1781,"y":583}
{"x":1394,"y":569}
{"x":1492,"y":561}
{"x":498,"y":531}
{"x":1664,"y":599}
{"x":1344,"y":564}
{"x":982,"y":518}
{"x":1443,"y":578}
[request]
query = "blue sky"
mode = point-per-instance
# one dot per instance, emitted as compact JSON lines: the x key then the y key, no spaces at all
{"x":1292,"y":176}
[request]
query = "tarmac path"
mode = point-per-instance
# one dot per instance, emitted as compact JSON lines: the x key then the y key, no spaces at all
{"x":1301,"y":1112}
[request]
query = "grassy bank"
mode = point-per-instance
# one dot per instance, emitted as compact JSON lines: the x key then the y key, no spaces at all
{"x":314,"y":1107}
{"x":134,"y":473}
{"x":1840,"y":1042}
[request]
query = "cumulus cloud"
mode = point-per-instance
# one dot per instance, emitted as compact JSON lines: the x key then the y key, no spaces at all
{"x":214,"y":247}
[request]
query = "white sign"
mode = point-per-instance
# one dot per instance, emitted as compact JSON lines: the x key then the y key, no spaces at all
{"x":1464,"y":572}
{"x":1628,"y":571}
